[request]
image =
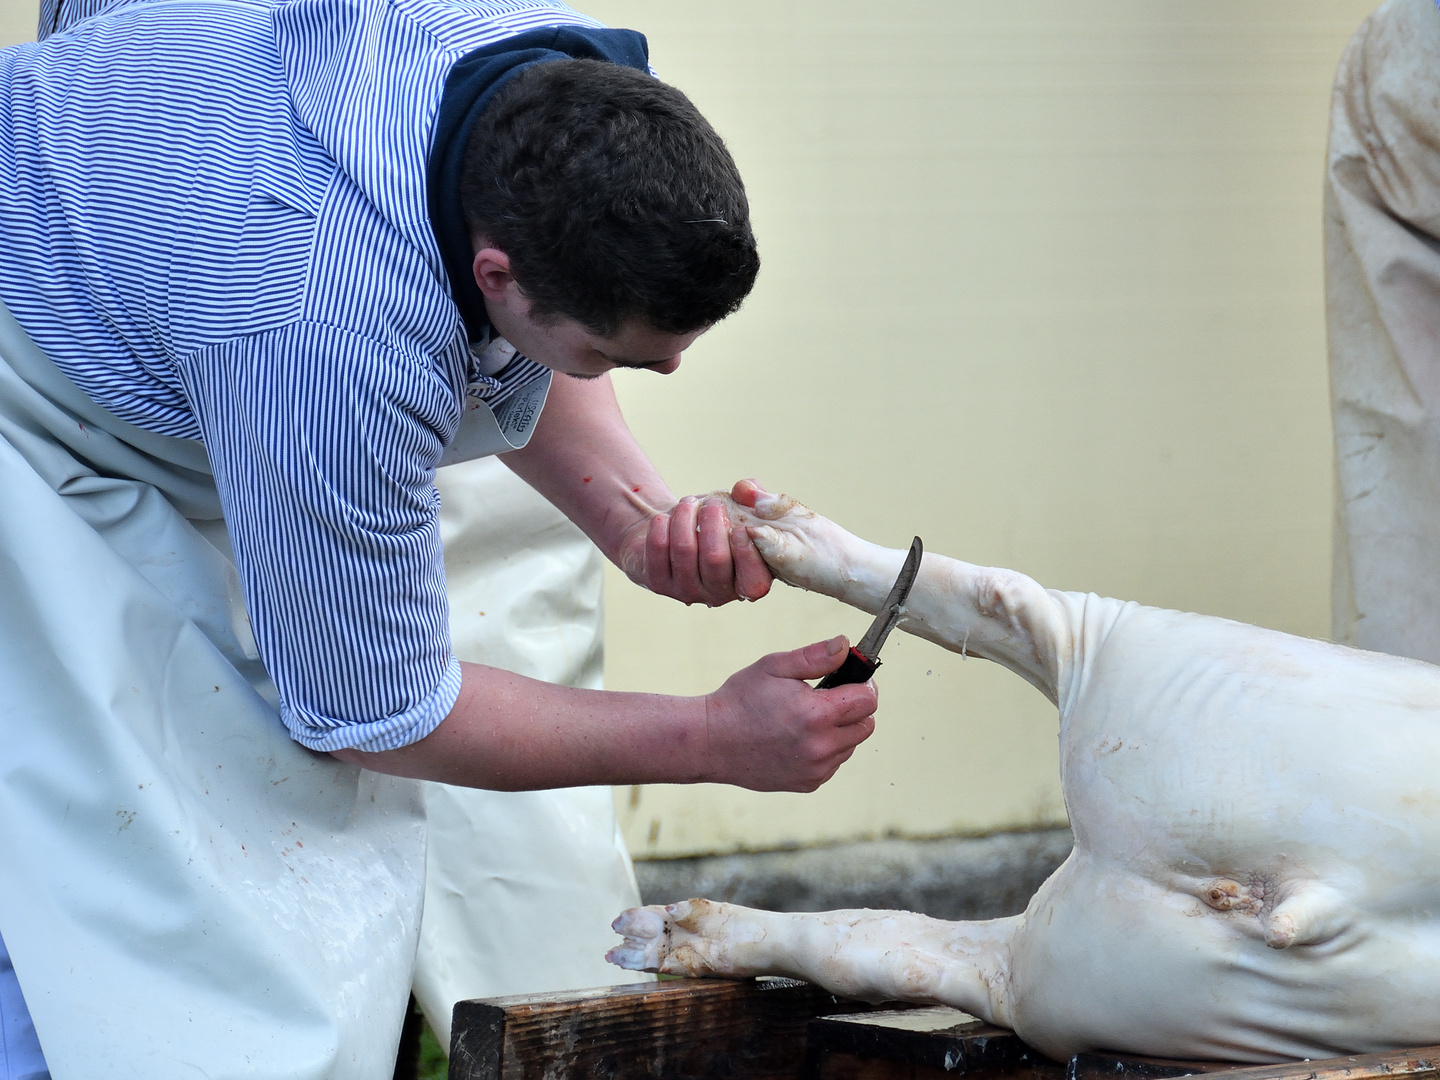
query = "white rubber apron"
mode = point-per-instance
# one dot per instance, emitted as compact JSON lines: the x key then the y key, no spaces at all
{"x":521,"y":885}
{"x":184,"y":890}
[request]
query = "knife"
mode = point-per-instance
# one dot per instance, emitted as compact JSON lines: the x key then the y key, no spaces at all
{"x":864,"y":658}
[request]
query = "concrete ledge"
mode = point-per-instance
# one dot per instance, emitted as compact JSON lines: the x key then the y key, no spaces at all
{"x":949,"y":879}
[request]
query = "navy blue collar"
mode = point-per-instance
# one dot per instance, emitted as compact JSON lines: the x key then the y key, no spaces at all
{"x":470,"y":86}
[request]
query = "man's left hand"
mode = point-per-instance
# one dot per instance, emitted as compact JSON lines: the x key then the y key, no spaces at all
{"x":693,"y":554}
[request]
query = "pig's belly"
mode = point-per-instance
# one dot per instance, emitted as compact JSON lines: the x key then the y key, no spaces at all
{"x":1236,"y":748}
{"x":1109,"y":960}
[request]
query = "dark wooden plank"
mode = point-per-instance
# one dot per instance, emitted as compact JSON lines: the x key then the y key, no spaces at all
{"x":682,"y":1028}
{"x":1103,"y":1066}
{"x":1414,"y":1064}
{"x":774,"y":1029}
{"x":852,"y":1067}
{"x":1421,"y":1062}
{"x":916,"y":1042}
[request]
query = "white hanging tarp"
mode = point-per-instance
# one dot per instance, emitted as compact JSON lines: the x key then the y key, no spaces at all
{"x":1382,"y":268}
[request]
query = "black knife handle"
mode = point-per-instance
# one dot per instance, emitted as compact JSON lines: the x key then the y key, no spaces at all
{"x":855,"y":669}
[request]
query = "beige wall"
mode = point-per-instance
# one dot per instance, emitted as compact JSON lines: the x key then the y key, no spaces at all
{"x":18,"y":19}
{"x":1042,"y":283}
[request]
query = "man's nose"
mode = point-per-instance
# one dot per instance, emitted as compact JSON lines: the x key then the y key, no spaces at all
{"x":665,"y":367}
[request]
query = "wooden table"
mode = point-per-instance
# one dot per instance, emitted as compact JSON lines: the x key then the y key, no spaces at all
{"x":780,"y":1029}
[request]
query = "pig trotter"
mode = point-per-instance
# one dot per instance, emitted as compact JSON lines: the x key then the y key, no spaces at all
{"x":671,"y":940}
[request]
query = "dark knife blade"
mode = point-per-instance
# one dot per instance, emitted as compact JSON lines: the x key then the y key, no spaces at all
{"x":864,"y":658}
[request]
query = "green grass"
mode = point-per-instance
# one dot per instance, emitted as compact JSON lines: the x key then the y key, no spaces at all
{"x":433,"y":1065}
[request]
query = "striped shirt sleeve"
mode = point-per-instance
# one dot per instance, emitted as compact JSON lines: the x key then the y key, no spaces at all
{"x":57,"y":16}
{"x":326,"y":475}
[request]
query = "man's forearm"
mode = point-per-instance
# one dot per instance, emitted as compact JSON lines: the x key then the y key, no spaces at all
{"x":584,"y":459}
{"x":766,"y":728}
{"x":510,"y":733}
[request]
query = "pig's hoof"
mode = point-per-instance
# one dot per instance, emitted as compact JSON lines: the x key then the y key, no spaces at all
{"x":771,"y":507}
{"x":645,"y":930}
{"x":800,"y":547}
{"x":670,"y":940}
{"x":779,"y":525}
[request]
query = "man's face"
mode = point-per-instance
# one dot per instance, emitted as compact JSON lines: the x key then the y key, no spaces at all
{"x":566,"y":346}
{"x":563,"y":344}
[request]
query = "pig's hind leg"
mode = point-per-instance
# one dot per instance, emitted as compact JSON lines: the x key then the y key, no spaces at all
{"x":980,"y":611}
{"x":869,"y":955}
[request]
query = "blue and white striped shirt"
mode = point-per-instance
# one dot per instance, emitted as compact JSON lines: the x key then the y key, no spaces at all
{"x":215,"y":223}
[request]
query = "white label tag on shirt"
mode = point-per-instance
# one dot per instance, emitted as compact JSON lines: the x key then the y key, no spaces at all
{"x":484,"y":431}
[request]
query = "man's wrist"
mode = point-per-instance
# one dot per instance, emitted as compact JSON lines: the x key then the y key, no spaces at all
{"x":630,"y":525}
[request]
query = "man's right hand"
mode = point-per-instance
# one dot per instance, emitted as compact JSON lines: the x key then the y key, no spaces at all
{"x":765,"y":729}
{"x":769,"y":731}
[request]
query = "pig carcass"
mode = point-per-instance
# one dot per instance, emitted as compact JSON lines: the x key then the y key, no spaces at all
{"x":1256,"y":872}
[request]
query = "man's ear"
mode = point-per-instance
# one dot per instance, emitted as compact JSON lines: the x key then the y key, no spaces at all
{"x":491,"y":268}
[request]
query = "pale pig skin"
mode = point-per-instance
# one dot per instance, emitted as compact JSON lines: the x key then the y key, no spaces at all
{"x":1256,"y":873}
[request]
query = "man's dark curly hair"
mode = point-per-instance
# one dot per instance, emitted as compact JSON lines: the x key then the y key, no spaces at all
{"x":613,"y":197}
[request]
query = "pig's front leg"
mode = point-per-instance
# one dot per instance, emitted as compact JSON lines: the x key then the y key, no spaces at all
{"x":869,"y":955}
{"x":981,"y":611}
